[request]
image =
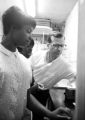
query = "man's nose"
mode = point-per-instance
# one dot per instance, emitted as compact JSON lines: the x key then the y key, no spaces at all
{"x":29,"y":36}
{"x":31,"y":42}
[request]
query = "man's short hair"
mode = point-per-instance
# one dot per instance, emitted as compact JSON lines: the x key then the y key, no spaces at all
{"x":16,"y":17}
{"x":59,"y":35}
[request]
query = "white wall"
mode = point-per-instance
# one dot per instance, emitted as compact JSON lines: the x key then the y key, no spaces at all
{"x":80,"y":93}
{"x":55,"y":9}
{"x":71,"y":36}
{"x":4,"y":4}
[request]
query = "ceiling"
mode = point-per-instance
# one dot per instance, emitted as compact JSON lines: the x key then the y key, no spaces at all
{"x":52,"y":13}
{"x":56,"y":10}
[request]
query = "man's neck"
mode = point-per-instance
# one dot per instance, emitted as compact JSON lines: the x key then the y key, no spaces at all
{"x":8,"y":44}
{"x":50,"y":57}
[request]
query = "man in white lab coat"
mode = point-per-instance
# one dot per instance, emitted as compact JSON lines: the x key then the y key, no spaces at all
{"x":50,"y":67}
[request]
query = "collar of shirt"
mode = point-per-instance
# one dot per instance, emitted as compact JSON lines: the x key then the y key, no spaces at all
{"x":7,"y":52}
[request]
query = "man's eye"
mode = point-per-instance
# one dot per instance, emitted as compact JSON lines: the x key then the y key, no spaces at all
{"x":55,"y":45}
{"x":28,"y":31}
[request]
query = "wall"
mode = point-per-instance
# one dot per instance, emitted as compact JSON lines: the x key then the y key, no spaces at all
{"x":80,"y":93}
{"x":71,"y":37}
{"x":55,"y":9}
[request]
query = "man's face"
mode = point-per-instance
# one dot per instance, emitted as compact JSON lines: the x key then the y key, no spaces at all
{"x":27,"y":50}
{"x":22,"y":36}
{"x":56,"y":49}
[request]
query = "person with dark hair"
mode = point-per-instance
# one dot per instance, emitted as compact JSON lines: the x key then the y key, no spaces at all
{"x":14,"y":17}
{"x":15,"y":70}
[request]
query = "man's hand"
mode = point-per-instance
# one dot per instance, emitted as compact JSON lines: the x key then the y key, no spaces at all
{"x":63,"y":110}
{"x":63,"y":113}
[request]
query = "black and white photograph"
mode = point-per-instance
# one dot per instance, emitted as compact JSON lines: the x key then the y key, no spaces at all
{"x":42,"y":59}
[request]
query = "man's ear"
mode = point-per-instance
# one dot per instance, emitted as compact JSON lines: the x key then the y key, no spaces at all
{"x":14,"y":27}
{"x":13,"y":30}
